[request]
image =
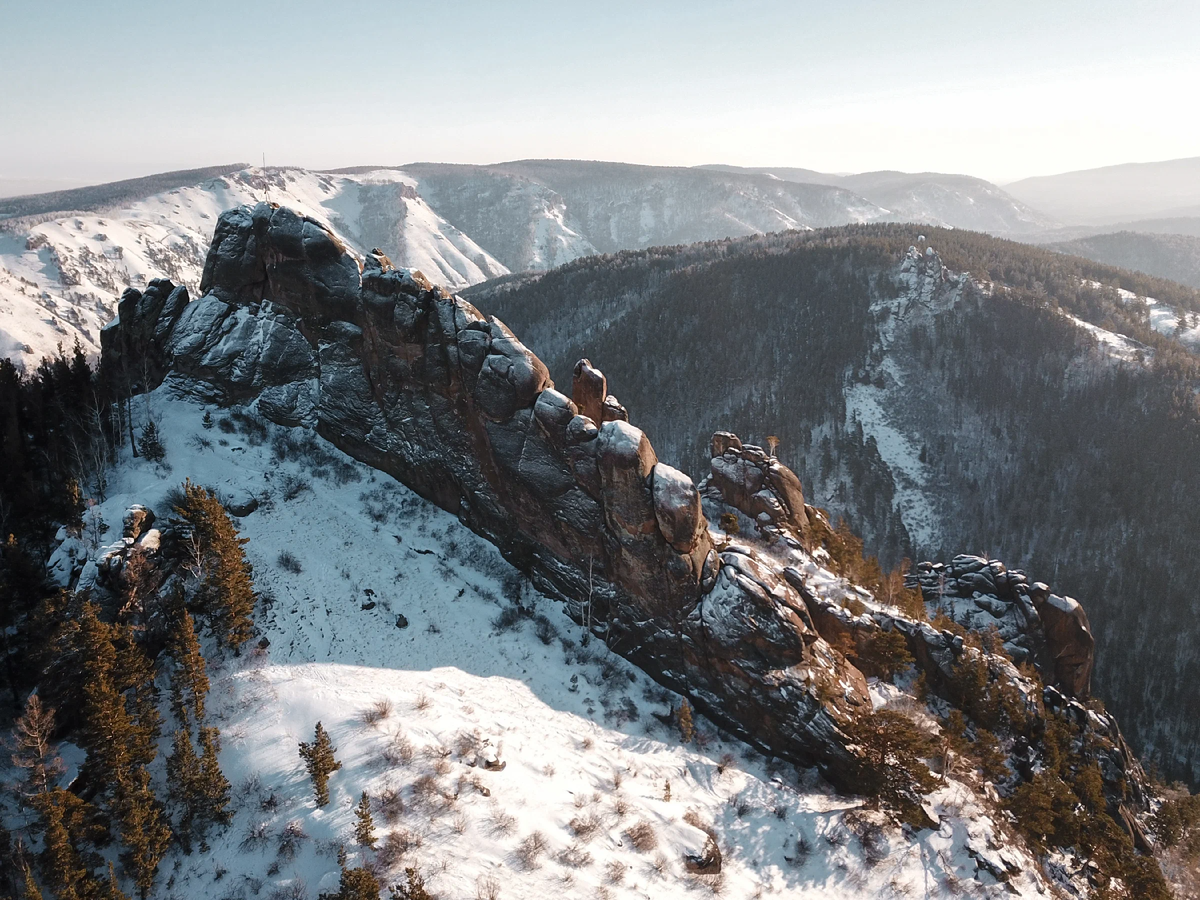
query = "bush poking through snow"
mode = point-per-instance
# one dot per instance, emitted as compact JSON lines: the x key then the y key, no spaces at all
{"x":291,"y":838}
{"x":503,"y":822}
{"x":399,"y":752}
{"x":585,"y":827}
{"x":377,"y":712}
{"x":391,"y":805}
{"x":531,"y":849}
{"x":487,"y":888}
{"x":289,"y":563}
{"x":642,"y":837}
{"x":575,"y":857}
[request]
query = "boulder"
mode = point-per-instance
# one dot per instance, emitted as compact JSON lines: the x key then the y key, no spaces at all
{"x":1070,"y":640}
{"x":589,"y":388}
{"x":756,"y":484}
{"x":137,"y":520}
{"x":677,"y":508}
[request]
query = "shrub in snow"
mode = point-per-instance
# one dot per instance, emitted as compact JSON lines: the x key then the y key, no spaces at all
{"x":642,"y":837}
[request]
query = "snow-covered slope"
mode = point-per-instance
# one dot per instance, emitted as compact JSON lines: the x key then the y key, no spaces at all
{"x":582,"y":807}
{"x":60,"y":278}
{"x":930,"y":198}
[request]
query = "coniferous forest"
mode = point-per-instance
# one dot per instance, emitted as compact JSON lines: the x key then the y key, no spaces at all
{"x":99,"y":664}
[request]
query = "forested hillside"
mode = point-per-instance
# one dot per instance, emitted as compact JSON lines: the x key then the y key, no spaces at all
{"x":941,"y":411}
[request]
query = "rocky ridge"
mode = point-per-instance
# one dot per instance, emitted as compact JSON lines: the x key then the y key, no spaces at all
{"x":419,"y":384}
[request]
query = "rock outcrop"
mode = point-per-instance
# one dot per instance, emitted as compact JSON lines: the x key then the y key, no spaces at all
{"x":756,"y":484}
{"x":1035,"y":625}
{"x":423,"y":386}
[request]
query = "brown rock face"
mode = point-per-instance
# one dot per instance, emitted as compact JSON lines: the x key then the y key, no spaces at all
{"x":1069,"y":638}
{"x":756,"y":484}
{"x":589,"y":388}
{"x":423,"y":386}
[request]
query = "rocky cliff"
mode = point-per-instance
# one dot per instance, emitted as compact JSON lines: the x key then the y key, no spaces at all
{"x":421,"y":385}
{"x":757,"y":631}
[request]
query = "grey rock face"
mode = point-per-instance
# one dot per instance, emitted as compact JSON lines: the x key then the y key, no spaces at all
{"x":1036,"y":626}
{"x":423,"y":386}
{"x":756,"y":484}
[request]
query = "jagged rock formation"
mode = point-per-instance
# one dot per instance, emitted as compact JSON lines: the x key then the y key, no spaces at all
{"x":756,"y":484}
{"x":1035,"y":625}
{"x":421,"y":385}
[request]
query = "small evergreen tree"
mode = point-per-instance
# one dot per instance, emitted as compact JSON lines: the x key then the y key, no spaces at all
{"x":207,"y":421}
{"x":107,"y":729}
{"x":31,"y":890}
{"x":355,"y":884}
{"x":111,"y":889}
{"x":183,"y":780}
{"x":150,"y":445}
{"x":226,"y":590}
{"x":686,"y":729}
{"x":320,"y":761}
{"x":364,"y":826}
{"x":413,"y":887}
{"x":134,"y":676}
{"x":62,"y":868}
{"x":213,"y":787}
{"x":890,"y":766}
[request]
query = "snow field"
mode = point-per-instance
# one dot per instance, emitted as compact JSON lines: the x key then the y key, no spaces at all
{"x":415,"y":712}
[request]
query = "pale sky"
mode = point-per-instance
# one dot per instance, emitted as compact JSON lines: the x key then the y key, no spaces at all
{"x":95,"y":91}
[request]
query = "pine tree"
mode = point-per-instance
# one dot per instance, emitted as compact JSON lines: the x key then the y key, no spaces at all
{"x":213,"y":787}
{"x":355,"y":884}
{"x":107,"y":727}
{"x":207,"y":421}
{"x":111,"y":889}
{"x":33,"y":749}
{"x":62,"y":869}
{"x":412,"y":889}
{"x":686,"y":729}
{"x":135,"y":675}
{"x":364,"y":827}
{"x":144,"y":831}
{"x":183,"y":780}
{"x":189,"y":679}
{"x":31,"y":890}
{"x":150,"y":445}
{"x":319,"y":760}
{"x":226,"y":591}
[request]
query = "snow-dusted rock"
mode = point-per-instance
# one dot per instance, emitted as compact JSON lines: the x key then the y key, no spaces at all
{"x":423,"y":386}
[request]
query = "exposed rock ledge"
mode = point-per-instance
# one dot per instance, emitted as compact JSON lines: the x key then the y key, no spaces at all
{"x":421,"y":385}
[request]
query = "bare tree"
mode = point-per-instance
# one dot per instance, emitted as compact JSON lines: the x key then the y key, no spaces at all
{"x":33,"y":750}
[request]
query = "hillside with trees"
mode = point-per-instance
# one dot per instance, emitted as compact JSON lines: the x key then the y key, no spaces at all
{"x":1036,"y":443}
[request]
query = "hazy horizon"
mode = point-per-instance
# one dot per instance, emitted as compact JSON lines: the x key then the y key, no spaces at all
{"x":104,"y":93}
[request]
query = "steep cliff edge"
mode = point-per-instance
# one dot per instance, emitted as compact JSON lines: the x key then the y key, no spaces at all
{"x":421,"y":385}
{"x":759,"y":632}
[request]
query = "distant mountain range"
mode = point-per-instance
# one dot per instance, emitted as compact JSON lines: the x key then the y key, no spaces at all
{"x":932,"y":198}
{"x":66,"y":255}
{"x":1157,"y":190}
